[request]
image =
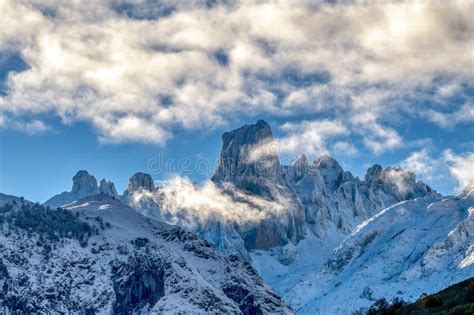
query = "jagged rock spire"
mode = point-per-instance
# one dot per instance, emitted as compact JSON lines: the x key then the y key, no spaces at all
{"x":247,"y":151}
{"x":107,"y":188}
{"x":84,"y":184}
{"x":141,"y":180}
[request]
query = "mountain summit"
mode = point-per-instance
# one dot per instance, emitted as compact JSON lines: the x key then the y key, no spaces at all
{"x":83,"y":185}
{"x":248,"y":152}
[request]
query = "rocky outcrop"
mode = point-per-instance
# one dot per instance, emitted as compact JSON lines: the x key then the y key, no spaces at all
{"x":248,"y":158}
{"x":334,"y":198}
{"x":83,"y":185}
{"x":141,"y":181}
{"x":249,"y":162}
{"x":108,"y":188}
{"x":139,"y":194}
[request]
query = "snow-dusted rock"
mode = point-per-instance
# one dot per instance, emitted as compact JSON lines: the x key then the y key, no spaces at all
{"x":249,"y":162}
{"x":248,"y":153}
{"x":108,"y":188}
{"x":415,"y":246}
{"x":140,"y":181}
{"x":83,"y":185}
{"x":100,"y":256}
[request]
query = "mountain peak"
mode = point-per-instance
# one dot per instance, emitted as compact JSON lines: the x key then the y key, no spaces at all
{"x":84,"y":184}
{"x":302,"y":160}
{"x":107,"y":188}
{"x":247,"y":151}
{"x":372,"y":172}
{"x":141,"y":180}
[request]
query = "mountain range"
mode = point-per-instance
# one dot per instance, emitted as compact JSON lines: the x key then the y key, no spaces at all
{"x":258,"y":237}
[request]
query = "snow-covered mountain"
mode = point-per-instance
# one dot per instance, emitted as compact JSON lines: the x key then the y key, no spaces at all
{"x":413,"y":247}
{"x":313,"y":231}
{"x":100,"y":256}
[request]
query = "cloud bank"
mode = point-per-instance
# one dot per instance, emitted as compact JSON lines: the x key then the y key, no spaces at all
{"x":134,"y":70}
{"x":457,"y":167}
{"x":180,"y":201}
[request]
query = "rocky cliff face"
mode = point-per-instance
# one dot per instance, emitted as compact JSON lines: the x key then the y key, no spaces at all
{"x":83,"y":185}
{"x":248,"y":158}
{"x":108,"y":188}
{"x":334,"y":198}
{"x":101,"y":257}
{"x":249,"y":162}
{"x":140,"y":181}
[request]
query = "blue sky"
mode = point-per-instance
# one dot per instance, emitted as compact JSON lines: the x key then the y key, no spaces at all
{"x":389,"y":83}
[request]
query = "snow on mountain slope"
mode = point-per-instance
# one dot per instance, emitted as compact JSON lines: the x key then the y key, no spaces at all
{"x":100,"y":256}
{"x":334,"y":202}
{"x":415,"y":246}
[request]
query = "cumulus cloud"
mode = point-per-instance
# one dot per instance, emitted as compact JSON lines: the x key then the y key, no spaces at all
{"x":450,"y":166}
{"x":461,"y":167}
{"x":310,"y":137}
{"x":27,"y":126}
{"x":421,"y":163}
{"x":120,"y":65}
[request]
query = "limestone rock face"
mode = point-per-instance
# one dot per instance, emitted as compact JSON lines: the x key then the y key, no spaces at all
{"x":332,"y":197}
{"x":141,"y":180}
{"x":248,"y":153}
{"x":108,"y":188}
{"x":83,"y":185}
{"x":249,"y":162}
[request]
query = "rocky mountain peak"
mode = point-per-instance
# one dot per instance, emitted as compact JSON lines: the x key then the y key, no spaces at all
{"x":397,"y":182}
{"x":107,"y":188}
{"x":330,"y":170}
{"x":302,"y":161}
{"x":372,"y":172}
{"x":247,"y":151}
{"x":141,"y":180}
{"x":84,"y":184}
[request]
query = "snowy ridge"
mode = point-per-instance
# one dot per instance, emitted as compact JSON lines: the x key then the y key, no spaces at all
{"x":128,"y":263}
{"x":417,"y":246}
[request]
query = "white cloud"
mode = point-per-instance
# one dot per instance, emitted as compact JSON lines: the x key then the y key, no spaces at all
{"x":310,"y":137}
{"x":26,"y":126}
{"x":461,"y":167}
{"x":188,"y":204}
{"x":344,"y":148}
{"x":465,"y":114}
{"x":450,"y":166}
{"x":422,"y":164}
{"x":88,"y":62}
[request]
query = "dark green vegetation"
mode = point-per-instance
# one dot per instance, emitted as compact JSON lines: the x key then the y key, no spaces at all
{"x":457,"y":299}
{"x":48,"y":224}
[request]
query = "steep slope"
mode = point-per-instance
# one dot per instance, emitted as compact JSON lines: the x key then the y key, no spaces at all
{"x":249,"y":162}
{"x":248,"y":179}
{"x":100,"y":256}
{"x":83,"y":185}
{"x":415,"y":246}
{"x":334,"y":203}
{"x":289,"y":218}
